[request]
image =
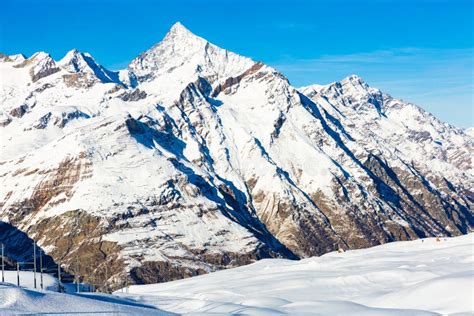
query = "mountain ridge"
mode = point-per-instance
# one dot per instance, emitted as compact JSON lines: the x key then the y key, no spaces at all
{"x":195,"y":159}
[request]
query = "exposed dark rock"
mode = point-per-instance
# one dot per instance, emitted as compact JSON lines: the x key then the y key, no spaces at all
{"x":232,"y":81}
{"x":79,"y":80}
{"x":135,"y":95}
{"x":19,"y":111}
{"x":5,"y":58}
{"x":5,"y":121}
{"x":43,"y":73}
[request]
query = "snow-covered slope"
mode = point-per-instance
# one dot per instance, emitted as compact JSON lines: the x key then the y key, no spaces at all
{"x":470,"y":131}
{"x":422,"y":277}
{"x":196,"y":159}
{"x":397,"y":129}
{"x":22,"y":301}
{"x":50,"y":283}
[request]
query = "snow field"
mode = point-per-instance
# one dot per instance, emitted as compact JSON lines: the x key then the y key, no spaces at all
{"x":422,"y":277}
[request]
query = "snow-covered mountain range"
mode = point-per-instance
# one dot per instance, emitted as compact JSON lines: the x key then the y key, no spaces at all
{"x":195,"y":159}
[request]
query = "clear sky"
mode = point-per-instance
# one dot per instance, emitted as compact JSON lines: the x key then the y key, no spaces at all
{"x":417,"y":50}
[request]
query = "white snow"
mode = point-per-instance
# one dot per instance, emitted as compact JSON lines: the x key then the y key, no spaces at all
{"x":28,"y":300}
{"x":398,"y":129}
{"x":256,"y":135}
{"x":422,"y":277}
{"x":470,"y":131}
{"x":22,"y":301}
{"x":17,"y":58}
{"x":180,"y":58}
{"x":27,"y":280}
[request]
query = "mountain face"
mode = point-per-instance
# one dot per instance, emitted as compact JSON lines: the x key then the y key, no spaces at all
{"x":196,"y":159}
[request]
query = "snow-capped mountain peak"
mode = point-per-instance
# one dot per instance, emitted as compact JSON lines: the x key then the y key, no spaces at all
{"x":73,"y":61}
{"x":182,"y":55}
{"x":40,"y":56}
{"x":355,"y":83}
{"x":12,"y":58}
{"x":205,"y":159}
{"x":179,"y":30}
{"x":354,"y":78}
{"x":84,"y":64}
{"x":311,"y":90}
{"x":38,"y":59}
{"x":40,"y":65}
{"x":352,"y":92}
{"x":17,"y":57}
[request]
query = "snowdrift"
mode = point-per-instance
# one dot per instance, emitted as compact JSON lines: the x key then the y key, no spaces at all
{"x":422,"y":277}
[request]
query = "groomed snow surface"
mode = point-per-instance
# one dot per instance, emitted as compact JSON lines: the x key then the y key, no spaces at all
{"x":422,"y":277}
{"x":21,"y":301}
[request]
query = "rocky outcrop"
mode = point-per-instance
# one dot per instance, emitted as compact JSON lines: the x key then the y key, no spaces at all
{"x":44,"y":72}
{"x":212,"y":161}
{"x":75,"y":241}
{"x":19,"y":111}
{"x":59,"y":119}
{"x":41,"y":65}
{"x":5,"y":58}
{"x":5,"y":120}
{"x":232,"y":81}
{"x":79,"y":80}
{"x":135,"y":95}
{"x":58,"y":182}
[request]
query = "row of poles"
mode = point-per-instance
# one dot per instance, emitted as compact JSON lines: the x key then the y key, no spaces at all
{"x":92,"y":286}
{"x":35,"y":268}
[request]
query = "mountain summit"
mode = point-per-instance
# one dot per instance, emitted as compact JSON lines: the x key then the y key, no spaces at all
{"x":180,"y":30}
{"x":196,"y":159}
{"x":182,"y":55}
{"x":84,"y":63}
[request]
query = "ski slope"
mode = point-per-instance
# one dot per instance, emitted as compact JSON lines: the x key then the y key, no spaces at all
{"x":26,"y":300}
{"x":422,"y":277}
{"x":23,"y":301}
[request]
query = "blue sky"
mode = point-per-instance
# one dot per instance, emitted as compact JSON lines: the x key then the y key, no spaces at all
{"x":418,"y":50}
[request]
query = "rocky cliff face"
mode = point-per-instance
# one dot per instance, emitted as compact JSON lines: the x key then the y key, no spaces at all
{"x":196,"y":159}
